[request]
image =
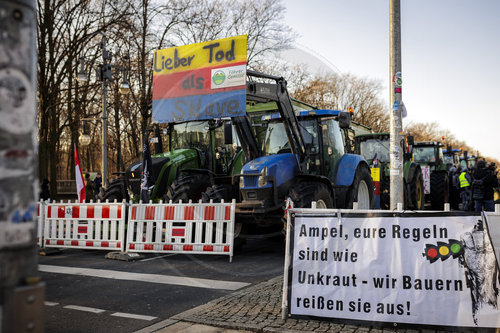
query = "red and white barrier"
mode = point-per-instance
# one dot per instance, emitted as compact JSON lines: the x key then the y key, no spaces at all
{"x":40,"y":211}
{"x":97,"y":226}
{"x":201,"y":228}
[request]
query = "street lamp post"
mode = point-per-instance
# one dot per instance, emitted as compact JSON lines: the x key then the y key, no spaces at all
{"x":105,"y":75}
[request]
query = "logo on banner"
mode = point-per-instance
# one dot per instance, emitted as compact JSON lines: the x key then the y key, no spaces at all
{"x":218,"y":77}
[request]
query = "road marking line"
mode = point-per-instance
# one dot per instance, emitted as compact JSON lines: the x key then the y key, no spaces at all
{"x":153,"y":278}
{"x":51,"y":303}
{"x":84,"y":308}
{"x":154,"y":258}
{"x":133,"y":316}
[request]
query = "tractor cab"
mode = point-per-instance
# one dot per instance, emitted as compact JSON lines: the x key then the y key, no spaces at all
{"x":451,"y":157}
{"x":429,"y":153}
{"x":321,"y":131}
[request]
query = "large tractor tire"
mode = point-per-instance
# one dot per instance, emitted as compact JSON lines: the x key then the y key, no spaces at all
{"x":217,"y":193}
{"x":417,"y":195}
{"x":439,"y":190}
{"x":304,"y":193}
{"x":187,"y":187}
{"x":115,"y":191}
{"x":361,"y":190}
{"x":220,"y":192}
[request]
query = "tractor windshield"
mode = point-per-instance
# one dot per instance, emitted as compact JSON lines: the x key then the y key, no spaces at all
{"x":372,"y":149}
{"x":193,"y":134}
{"x":448,"y":159}
{"x":276,"y":141}
{"x":424,"y":154}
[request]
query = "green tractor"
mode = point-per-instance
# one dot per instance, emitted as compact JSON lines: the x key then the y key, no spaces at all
{"x":436,"y":179}
{"x":375,"y":148}
{"x":200,"y":150}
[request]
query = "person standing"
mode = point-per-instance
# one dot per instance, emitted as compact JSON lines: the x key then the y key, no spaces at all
{"x":464,"y":180}
{"x":45,"y":190}
{"x":98,"y":184}
{"x":483,"y":182}
{"x":89,"y":188}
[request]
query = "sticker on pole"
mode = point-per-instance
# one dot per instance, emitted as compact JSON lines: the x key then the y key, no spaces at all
{"x":200,"y":81}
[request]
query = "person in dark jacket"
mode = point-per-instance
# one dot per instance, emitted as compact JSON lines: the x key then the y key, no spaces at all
{"x":483,"y":182}
{"x":89,"y":188}
{"x":45,"y":190}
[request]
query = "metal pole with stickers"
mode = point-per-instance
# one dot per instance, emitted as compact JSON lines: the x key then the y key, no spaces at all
{"x":396,"y":139}
{"x":21,"y":289}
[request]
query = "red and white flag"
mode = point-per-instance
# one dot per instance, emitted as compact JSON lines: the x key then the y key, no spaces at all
{"x":80,"y":183}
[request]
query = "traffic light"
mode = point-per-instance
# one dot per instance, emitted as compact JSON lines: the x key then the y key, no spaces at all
{"x":443,"y":250}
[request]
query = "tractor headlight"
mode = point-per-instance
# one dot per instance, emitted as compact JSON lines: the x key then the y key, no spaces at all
{"x":262,"y":178}
{"x":242,"y":182}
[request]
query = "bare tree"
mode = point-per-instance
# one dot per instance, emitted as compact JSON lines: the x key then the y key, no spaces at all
{"x":339,"y":92}
{"x":261,"y":20}
{"x":64,"y":29}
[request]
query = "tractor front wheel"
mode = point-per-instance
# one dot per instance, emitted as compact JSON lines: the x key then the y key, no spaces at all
{"x":304,"y":193}
{"x":417,"y":195}
{"x":115,"y":191}
{"x":187,"y":187}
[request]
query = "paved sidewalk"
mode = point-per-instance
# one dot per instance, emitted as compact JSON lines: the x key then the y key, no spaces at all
{"x":253,"y":309}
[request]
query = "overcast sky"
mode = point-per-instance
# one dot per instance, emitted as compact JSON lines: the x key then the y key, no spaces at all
{"x":450,"y":57}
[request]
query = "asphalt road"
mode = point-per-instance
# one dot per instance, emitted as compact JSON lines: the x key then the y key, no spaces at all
{"x":87,"y":293}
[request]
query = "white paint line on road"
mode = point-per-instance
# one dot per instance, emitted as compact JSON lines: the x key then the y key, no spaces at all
{"x":133,"y":316}
{"x":84,"y":308}
{"x":153,"y":278}
{"x":51,"y":303}
{"x":154,"y":258}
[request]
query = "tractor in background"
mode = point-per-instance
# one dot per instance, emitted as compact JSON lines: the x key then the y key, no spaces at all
{"x":199,"y":152}
{"x":375,"y":148}
{"x":436,"y":180}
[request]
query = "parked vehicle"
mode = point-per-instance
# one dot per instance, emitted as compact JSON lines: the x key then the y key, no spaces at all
{"x":436,"y":181}
{"x":303,"y":159}
{"x":375,"y":148}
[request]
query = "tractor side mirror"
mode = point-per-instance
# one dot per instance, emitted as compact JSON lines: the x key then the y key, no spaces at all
{"x":465,"y":154}
{"x":410,"y":140}
{"x":228,"y":133}
{"x":344,"y":119}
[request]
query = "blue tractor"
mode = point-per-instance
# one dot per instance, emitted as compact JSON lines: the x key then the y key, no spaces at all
{"x":304,"y":158}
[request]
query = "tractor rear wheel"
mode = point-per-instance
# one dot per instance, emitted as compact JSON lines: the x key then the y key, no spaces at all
{"x":187,"y":187}
{"x":417,"y":195}
{"x":361,"y":190}
{"x":439,"y":190}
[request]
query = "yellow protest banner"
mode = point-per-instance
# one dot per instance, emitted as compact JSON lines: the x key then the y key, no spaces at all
{"x":215,"y":53}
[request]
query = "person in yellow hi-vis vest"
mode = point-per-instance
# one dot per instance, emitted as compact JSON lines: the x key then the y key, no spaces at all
{"x":465,"y":182}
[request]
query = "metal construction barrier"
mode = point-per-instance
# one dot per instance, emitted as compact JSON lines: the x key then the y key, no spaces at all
{"x":195,"y":228}
{"x":97,"y":226}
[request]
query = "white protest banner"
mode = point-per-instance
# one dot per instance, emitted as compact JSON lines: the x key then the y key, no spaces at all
{"x":426,"y":269}
{"x":494,"y":231}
